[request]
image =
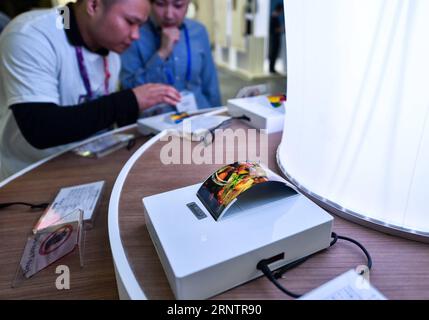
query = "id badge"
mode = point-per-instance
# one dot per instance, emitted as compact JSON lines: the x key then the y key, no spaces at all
{"x":188,"y":102}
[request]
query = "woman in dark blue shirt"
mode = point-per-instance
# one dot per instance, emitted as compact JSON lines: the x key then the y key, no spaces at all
{"x":175,"y":51}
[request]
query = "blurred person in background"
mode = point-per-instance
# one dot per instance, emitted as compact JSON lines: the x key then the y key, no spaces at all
{"x":176,"y":51}
{"x":276,"y":33}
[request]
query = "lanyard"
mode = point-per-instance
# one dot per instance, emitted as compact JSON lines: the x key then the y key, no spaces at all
{"x":188,"y":49}
{"x":168,"y":71}
{"x":85,"y":77}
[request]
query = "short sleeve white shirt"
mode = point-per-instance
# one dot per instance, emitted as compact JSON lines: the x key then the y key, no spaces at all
{"x":38,"y":64}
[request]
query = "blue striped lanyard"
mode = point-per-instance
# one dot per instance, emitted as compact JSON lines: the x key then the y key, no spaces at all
{"x":168,"y":71}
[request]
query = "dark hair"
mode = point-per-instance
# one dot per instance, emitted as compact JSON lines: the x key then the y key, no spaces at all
{"x":107,"y":3}
{"x":14,"y":8}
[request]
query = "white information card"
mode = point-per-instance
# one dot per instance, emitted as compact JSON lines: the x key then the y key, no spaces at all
{"x":84,"y":197}
{"x":348,"y":286}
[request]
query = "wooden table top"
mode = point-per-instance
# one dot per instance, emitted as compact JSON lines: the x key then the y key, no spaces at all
{"x":399,"y":266}
{"x":96,"y":280}
{"x":399,"y":272}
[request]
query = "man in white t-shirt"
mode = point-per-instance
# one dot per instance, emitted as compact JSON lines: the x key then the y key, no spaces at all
{"x":57,"y":84}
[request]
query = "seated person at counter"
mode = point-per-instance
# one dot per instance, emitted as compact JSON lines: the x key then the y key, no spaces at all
{"x":175,"y":51}
{"x":57,"y":83}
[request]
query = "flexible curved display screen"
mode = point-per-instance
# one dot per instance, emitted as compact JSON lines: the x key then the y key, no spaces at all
{"x":357,"y":131}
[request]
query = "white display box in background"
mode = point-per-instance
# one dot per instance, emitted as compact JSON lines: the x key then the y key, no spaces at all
{"x":261,"y":113}
{"x":203,"y":257}
{"x":156,"y":124}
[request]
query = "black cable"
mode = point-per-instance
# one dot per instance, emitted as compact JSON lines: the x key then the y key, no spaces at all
{"x":281,"y":271}
{"x":334,"y":241}
{"x":211,"y":132}
{"x":267,"y":272}
{"x":131,"y":144}
{"x":32,"y":206}
{"x":368,"y":256}
{"x":263,"y":265}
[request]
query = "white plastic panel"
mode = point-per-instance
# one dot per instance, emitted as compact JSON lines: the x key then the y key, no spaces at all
{"x":357,"y":130}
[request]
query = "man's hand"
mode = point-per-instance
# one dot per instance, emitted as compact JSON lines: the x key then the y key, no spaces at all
{"x":169,"y":37}
{"x":149,"y":95}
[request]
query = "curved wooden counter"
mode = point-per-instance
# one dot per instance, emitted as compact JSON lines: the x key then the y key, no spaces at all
{"x":400,"y":266}
{"x":96,"y":280}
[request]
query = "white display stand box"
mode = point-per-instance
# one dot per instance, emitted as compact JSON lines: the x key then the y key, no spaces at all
{"x":261,"y":113}
{"x":203,"y":257}
{"x":158,"y":123}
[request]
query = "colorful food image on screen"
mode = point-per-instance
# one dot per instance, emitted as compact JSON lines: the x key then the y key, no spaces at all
{"x":226,"y":184}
